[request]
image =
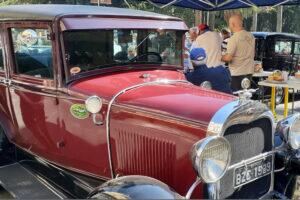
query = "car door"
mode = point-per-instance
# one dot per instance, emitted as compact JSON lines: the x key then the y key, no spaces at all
{"x":6,"y":121}
{"x":85,"y":143}
{"x":33,"y":89}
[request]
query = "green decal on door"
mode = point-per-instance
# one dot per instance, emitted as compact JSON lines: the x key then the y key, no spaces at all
{"x":79,"y":111}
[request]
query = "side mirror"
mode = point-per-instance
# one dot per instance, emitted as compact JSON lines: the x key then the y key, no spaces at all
{"x":93,"y":105}
{"x":206,"y":85}
{"x":289,"y":128}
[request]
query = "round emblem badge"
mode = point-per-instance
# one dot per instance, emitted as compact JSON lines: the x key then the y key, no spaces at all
{"x":79,"y":111}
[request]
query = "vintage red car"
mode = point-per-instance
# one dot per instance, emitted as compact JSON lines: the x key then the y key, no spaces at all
{"x":99,"y":93}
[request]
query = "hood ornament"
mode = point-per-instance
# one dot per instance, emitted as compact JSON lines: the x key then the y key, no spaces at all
{"x":246,"y":93}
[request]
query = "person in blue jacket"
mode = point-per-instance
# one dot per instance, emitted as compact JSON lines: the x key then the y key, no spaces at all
{"x":219,"y":76}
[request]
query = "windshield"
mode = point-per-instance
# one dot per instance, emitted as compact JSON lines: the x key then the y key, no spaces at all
{"x":87,"y":50}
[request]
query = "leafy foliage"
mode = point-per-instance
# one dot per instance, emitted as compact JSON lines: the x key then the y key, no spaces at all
{"x":266,"y":15}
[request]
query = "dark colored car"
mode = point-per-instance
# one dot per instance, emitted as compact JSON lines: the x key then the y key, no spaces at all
{"x":96,"y":96}
{"x":277,"y":51}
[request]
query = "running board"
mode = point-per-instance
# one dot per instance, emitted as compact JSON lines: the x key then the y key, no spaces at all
{"x":23,"y":184}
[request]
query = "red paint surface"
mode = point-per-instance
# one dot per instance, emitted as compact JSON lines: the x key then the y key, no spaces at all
{"x":152,"y":128}
{"x":146,"y":137}
{"x":182,"y":100}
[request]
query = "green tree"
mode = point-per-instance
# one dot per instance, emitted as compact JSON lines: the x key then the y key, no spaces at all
{"x":188,"y":15}
{"x":266,"y":15}
{"x":291,"y":17}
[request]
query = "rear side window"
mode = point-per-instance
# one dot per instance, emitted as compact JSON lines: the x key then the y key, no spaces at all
{"x":283,"y":47}
{"x":1,"y":56}
{"x":297,"y":48}
{"x":33,"y":52}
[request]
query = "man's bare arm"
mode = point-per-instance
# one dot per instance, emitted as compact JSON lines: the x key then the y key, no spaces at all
{"x":227,"y":58}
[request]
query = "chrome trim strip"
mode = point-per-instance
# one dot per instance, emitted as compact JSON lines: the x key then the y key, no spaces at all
{"x":157,"y":82}
{"x":192,"y":188}
{"x":241,"y":112}
{"x":34,"y":85}
{"x":235,"y":113}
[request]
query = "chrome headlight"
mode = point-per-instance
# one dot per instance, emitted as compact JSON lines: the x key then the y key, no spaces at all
{"x":294,"y":135}
{"x":93,"y":104}
{"x":289,"y":128}
{"x":211,"y":157}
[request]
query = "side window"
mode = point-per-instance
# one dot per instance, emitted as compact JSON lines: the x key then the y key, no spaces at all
{"x":1,"y":56}
{"x":297,"y":48}
{"x":33,"y":52}
{"x":283,"y":47}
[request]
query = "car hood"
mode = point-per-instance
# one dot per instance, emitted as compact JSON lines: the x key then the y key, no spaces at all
{"x":182,"y":100}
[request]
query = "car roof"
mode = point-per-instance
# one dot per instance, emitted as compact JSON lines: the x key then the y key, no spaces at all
{"x":51,"y":11}
{"x":273,"y":34}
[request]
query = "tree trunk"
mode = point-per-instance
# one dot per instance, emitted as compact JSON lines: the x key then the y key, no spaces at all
{"x":254,"y":22}
{"x":211,"y":20}
{"x":279,"y":19}
{"x":198,"y":17}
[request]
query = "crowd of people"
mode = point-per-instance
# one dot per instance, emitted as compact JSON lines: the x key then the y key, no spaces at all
{"x":224,"y":59}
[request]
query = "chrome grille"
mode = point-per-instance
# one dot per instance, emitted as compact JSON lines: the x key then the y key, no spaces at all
{"x":247,"y":141}
{"x":246,"y":144}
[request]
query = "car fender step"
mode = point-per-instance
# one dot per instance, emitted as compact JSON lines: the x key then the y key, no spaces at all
{"x":23,"y":184}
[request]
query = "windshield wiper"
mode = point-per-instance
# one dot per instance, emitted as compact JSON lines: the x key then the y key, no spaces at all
{"x":136,"y":48}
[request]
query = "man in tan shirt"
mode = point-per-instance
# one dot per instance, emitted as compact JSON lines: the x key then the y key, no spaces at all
{"x":240,"y":52}
{"x":211,"y":41}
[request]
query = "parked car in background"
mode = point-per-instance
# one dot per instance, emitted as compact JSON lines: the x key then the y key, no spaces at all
{"x":277,"y":51}
{"x":77,"y":102}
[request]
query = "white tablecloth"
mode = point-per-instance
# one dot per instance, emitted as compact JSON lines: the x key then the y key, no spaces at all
{"x":262,"y":74}
{"x":289,"y":84}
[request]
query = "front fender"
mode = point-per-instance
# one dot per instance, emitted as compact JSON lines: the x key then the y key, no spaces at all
{"x":135,"y":187}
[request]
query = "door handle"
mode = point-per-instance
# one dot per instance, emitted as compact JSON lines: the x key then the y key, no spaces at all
{"x":5,"y":81}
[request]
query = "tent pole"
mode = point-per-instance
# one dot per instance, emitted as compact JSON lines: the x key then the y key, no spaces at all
{"x":254,"y":22}
{"x":207,"y":17}
{"x":279,"y":19}
{"x":198,"y":17}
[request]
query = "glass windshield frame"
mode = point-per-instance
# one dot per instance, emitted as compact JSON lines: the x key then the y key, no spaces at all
{"x":139,"y":44}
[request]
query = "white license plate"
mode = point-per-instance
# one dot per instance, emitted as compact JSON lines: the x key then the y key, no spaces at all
{"x":253,"y":171}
